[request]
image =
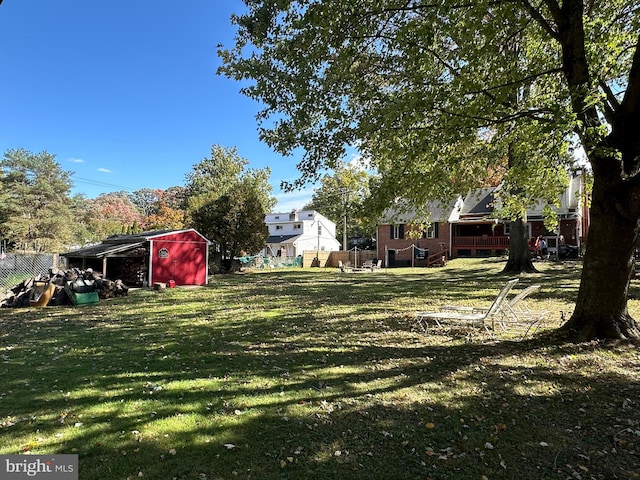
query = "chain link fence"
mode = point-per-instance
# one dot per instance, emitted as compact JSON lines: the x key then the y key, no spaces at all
{"x":260,"y":261}
{"x":14,"y":267}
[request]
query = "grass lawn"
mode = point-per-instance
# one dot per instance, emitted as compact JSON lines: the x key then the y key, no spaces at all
{"x":317,"y":374}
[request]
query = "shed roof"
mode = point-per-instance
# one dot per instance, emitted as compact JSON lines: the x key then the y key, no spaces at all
{"x":104,"y":249}
{"x":121,"y":243}
{"x":136,"y":237}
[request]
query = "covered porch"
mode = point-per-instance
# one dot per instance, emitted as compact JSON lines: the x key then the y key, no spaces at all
{"x":478,"y":239}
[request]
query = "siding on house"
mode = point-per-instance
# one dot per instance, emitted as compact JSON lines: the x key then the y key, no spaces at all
{"x":292,"y":233}
{"x":396,"y":249}
{"x":402,"y":253}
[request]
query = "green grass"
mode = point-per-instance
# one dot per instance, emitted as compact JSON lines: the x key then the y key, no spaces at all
{"x":315,"y":374}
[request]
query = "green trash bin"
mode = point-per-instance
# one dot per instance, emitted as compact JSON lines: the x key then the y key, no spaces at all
{"x":81,"y":293}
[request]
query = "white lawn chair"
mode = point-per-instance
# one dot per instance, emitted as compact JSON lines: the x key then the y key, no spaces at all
{"x":520,"y":316}
{"x":514,"y":314}
{"x":344,"y":267}
{"x":450,"y":316}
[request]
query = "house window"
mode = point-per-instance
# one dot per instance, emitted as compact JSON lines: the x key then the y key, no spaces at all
{"x":297,"y":226}
{"x":507,"y":229}
{"x":277,"y":217}
{"x":397,"y":231}
{"x":431,"y":231}
{"x":279,"y":227}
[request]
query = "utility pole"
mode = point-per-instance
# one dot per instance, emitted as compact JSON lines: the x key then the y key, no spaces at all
{"x":345,"y":197}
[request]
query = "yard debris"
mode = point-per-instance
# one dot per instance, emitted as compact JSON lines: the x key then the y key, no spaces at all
{"x":49,"y":289}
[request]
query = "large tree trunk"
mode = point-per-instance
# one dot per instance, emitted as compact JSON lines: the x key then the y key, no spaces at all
{"x":519,"y":256}
{"x":601,"y":308}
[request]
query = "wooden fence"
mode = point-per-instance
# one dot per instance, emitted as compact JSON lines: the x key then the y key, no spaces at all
{"x":332,"y":259}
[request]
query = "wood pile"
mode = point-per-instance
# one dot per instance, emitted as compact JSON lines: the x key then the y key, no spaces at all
{"x":30,"y":291}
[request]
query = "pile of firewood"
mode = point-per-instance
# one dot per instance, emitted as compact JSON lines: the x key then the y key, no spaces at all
{"x":26,"y":293}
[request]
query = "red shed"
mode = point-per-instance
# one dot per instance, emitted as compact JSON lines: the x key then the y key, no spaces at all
{"x":149,"y":257}
{"x":181,"y":256}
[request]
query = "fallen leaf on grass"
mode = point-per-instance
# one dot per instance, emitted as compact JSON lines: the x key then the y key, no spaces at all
{"x":229,"y":446}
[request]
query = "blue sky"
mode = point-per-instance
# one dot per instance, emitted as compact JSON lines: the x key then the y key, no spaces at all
{"x":125,"y":93}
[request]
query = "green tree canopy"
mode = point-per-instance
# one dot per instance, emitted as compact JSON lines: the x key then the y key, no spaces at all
{"x":234,"y":222}
{"x":227,"y":202}
{"x":435,"y":94}
{"x":220,"y":174}
{"x":34,"y":200}
{"x":344,"y":193}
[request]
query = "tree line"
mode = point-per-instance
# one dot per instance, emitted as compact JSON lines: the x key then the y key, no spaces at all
{"x":222,"y":198}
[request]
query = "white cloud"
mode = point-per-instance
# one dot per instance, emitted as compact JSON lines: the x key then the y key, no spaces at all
{"x":104,"y":170}
{"x":75,"y":160}
{"x":359,"y":161}
{"x":295,"y":200}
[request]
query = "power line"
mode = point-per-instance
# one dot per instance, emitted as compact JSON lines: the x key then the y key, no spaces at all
{"x":98,"y":183}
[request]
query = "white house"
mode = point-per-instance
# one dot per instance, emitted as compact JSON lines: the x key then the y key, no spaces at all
{"x":291,"y":233}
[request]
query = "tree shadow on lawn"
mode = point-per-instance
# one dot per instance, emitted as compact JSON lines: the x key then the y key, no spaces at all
{"x":309,"y":396}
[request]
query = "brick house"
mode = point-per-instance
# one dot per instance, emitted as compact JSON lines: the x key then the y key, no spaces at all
{"x":469,"y":227}
{"x":401,"y":244}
